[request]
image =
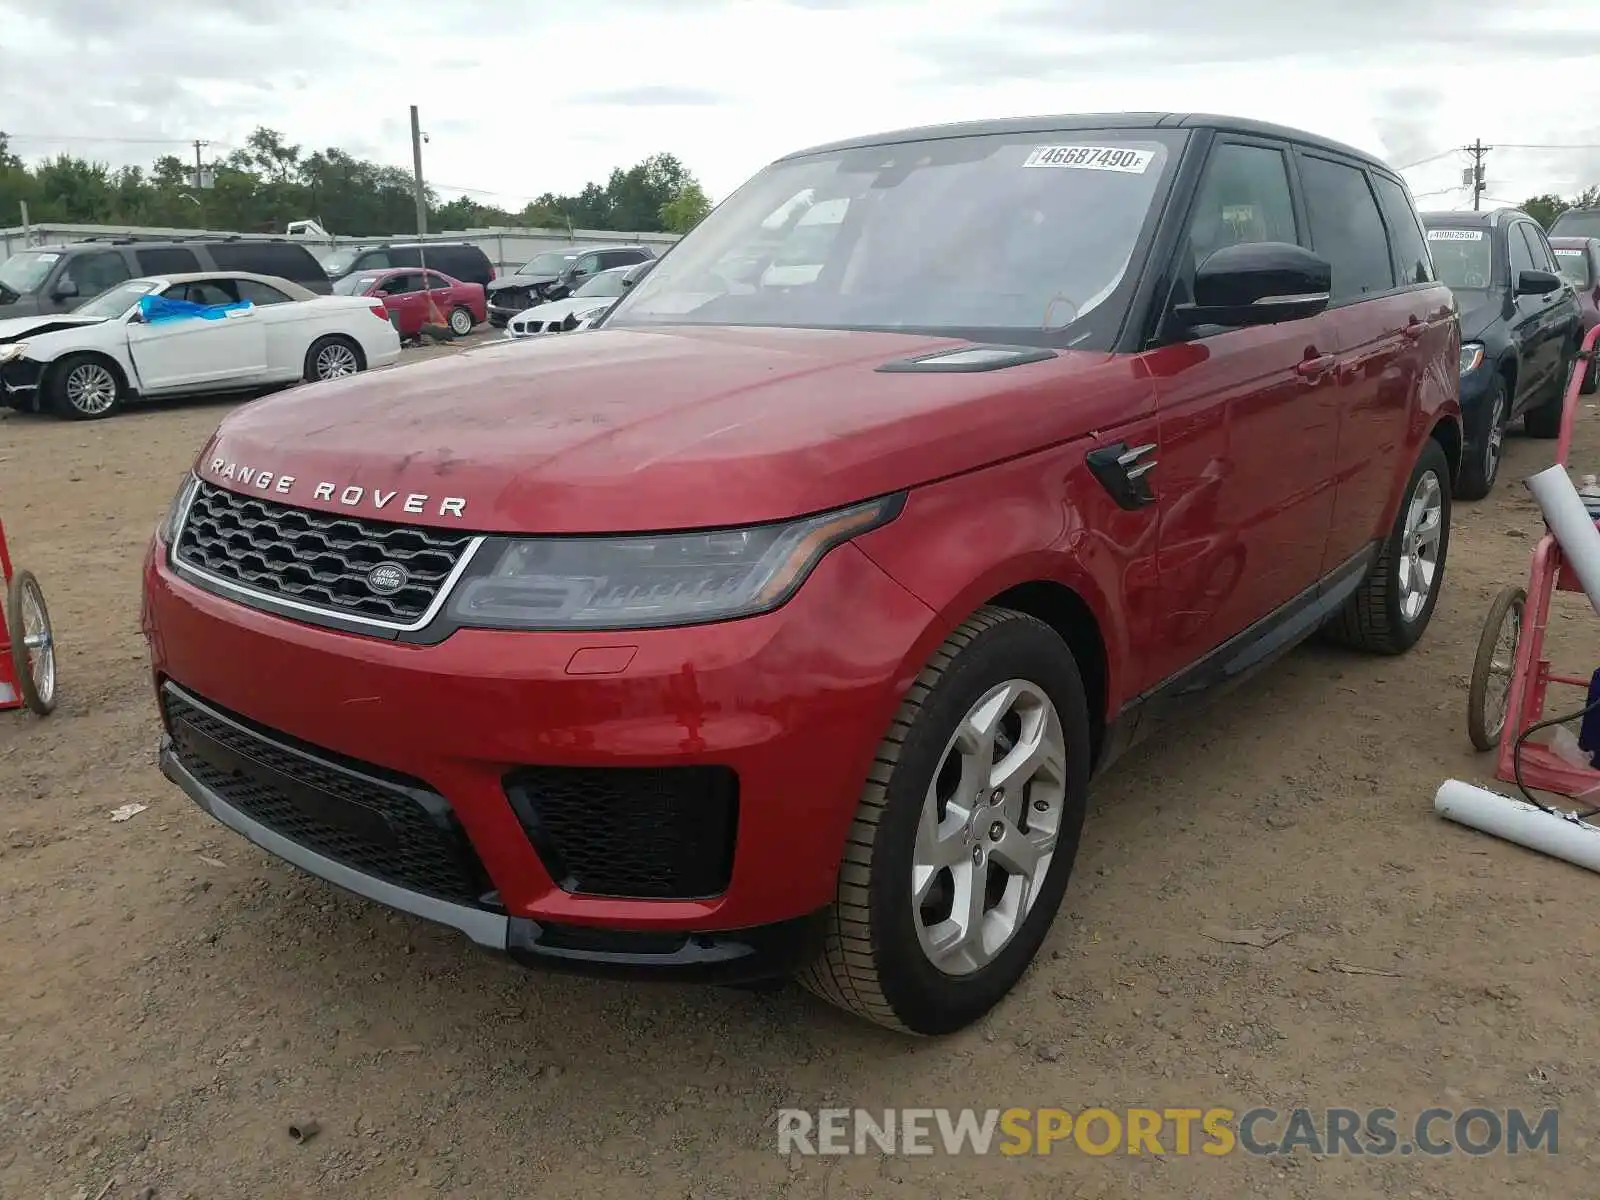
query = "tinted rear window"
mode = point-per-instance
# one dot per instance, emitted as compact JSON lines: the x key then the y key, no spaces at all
{"x":1574,"y":266}
{"x":166,"y":260}
{"x":283,"y":259}
{"x":1577,"y":224}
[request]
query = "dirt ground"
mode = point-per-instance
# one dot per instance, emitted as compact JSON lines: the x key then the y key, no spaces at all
{"x":171,"y":999}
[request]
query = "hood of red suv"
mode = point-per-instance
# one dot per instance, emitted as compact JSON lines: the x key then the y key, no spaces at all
{"x":627,"y":430}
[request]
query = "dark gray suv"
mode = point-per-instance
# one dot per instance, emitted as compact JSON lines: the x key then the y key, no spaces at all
{"x":52,"y":279}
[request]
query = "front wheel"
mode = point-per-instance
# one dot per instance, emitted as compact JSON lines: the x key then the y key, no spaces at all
{"x":1481,"y":468}
{"x":85,"y":387}
{"x":965,"y":834}
{"x":332,"y":357}
{"x":1489,"y":696}
{"x":1396,"y":601}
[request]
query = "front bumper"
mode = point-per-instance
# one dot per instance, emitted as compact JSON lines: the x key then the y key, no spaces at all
{"x":791,"y":706}
{"x":728,"y":957}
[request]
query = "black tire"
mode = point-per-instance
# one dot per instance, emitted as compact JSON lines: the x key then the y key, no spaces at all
{"x":24,"y":589}
{"x":873,"y":964}
{"x":322,"y":352}
{"x":460,"y":321}
{"x":70,"y":387}
{"x":1591,"y":377}
{"x":1507,"y":606}
{"x":1545,"y":421}
{"x":1482,"y":466}
{"x":1373,"y":620}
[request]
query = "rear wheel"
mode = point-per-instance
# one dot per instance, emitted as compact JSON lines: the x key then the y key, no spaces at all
{"x":460,"y":322}
{"x":33,"y":646}
{"x":333,"y":357}
{"x":966,"y":831}
{"x":85,"y":387}
{"x":1489,"y":696}
{"x":1392,"y":608}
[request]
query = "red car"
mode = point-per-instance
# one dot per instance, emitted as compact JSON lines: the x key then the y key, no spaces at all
{"x":778,"y":624}
{"x":416,"y":298}
{"x":1579,"y":260}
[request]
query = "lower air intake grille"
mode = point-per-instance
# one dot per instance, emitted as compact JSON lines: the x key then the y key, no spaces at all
{"x":382,"y":825}
{"x":646,"y":833}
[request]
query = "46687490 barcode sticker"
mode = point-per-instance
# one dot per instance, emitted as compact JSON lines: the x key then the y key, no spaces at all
{"x":1092,"y":158}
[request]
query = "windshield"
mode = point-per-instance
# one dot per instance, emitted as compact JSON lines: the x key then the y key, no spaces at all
{"x":551,"y":262}
{"x":1022,"y":233}
{"x":1577,"y":224}
{"x":607,"y":283}
{"x":117,"y":301}
{"x":338,"y":262}
{"x":23,"y":273}
{"x":1461,"y":257}
{"x":1574,"y":266}
{"x":354,"y":285}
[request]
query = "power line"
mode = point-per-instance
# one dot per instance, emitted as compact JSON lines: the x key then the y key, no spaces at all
{"x":110,"y":141}
{"x":1431,"y":158}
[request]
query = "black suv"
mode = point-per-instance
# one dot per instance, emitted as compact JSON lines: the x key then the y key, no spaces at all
{"x":1577,"y":222}
{"x":1520,"y":329}
{"x":52,"y":279}
{"x":554,"y":273}
{"x":460,"y":260}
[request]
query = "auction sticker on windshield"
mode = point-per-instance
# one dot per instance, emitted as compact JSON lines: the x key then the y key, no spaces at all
{"x":1092,"y":158}
{"x":1455,"y":235}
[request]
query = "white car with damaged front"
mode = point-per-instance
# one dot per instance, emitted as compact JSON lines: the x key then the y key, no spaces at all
{"x":579,"y":310}
{"x":181,"y":334}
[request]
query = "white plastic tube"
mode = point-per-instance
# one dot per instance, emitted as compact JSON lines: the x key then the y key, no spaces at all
{"x":1559,"y":835}
{"x":1572,"y":525}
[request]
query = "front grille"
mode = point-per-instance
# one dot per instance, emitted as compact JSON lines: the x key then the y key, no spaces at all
{"x":529,"y":326}
{"x":318,"y":559}
{"x":644,"y":833}
{"x":370,"y":820}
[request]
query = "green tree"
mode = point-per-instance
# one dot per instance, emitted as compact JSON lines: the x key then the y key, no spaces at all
{"x":267,"y":182}
{"x":685,"y":210}
{"x":1545,"y":209}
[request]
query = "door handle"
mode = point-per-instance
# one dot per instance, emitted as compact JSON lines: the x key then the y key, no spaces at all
{"x":1414,"y":329}
{"x":1314,"y":368}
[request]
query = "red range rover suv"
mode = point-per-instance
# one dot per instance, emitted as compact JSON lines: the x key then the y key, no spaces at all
{"x":777,"y":625}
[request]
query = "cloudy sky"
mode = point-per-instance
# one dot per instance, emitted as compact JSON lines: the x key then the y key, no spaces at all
{"x":519,"y":97}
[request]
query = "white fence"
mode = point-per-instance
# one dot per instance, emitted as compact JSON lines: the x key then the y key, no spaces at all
{"x":508,"y":248}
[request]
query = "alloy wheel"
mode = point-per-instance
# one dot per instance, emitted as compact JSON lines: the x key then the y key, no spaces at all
{"x":91,"y":389}
{"x":988,"y":827}
{"x":1419,"y":545}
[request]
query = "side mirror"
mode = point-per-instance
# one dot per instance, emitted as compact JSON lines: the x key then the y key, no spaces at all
{"x":1538,"y":283}
{"x":135,"y":317}
{"x":65,"y":290}
{"x":1258,"y":283}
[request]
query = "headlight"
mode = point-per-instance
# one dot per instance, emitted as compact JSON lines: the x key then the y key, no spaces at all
{"x":653,"y":580}
{"x":15,"y":350}
{"x":178,"y":509}
{"x":1471,"y":356}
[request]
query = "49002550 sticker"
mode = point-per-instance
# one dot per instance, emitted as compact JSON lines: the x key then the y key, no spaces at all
{"x":1455,"y":235}
{"x":1092,"y":158}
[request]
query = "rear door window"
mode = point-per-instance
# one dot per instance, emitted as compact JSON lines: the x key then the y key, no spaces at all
{"x":1413,"y":263}
{"x":282,"y":259}
{"x":1346,"y":229}
{"x":374,"y":260}
{"x":166,"y":260}
{"x":259,"y":293}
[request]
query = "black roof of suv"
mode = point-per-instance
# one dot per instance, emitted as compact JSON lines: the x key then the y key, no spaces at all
{"x":49,"y":279}
{"x":1577,"y":222}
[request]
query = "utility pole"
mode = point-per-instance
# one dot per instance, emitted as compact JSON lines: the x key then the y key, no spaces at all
{"x":1477,"y":150}
{"x":416,"y":166}
{"x":200,"y":179}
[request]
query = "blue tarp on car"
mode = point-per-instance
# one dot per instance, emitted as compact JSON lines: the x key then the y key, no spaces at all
{"x":160,"y":308}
